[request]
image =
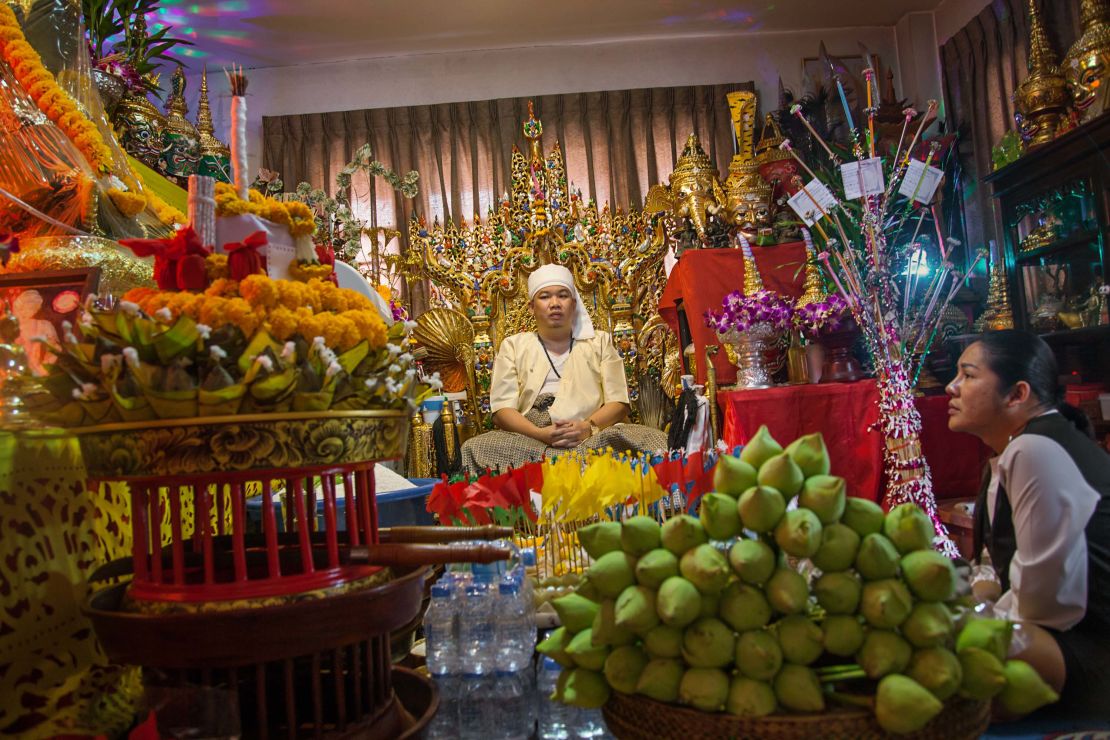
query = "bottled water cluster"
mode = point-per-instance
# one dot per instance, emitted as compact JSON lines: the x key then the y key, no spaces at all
{"x":480,"y":636}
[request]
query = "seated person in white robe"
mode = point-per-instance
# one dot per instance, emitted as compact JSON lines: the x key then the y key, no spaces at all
{"x":556,"y":389}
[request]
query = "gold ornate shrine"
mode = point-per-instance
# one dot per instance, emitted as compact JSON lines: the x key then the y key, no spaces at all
{"x":479,"y":271}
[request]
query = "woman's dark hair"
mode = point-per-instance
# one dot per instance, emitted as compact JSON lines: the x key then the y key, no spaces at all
{"x":1015,"y":355}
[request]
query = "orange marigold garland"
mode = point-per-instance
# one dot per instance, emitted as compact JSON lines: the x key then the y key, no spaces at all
{"x":51,"y":99}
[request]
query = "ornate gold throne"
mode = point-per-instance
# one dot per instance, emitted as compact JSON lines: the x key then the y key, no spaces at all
{"x":478,"y":275}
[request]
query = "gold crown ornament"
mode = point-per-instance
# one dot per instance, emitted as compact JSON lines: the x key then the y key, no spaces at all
{"x":180,"y":140}
{"x":215,"y":156}
{"x":1042,"y":99}
{"x":1086,"y":66}
{"x":748,"y":195}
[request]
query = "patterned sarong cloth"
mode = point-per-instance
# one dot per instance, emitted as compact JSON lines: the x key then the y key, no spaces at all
{"x":500,"y":450}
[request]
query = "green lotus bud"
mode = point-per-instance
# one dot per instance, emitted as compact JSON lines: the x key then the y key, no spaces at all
{"x":787,"y":591}
{"x":1025,"y":690}
{"x":843,"y":635}
{"x":682,"y":533}
{"x":992,"y":635}
{"x":797,"y":689}
{"x":708,"y":643}
{"x":930,"y":575}
{"x":585,"y":689}
{"x":623,"y":668}
{"x":587,"y":588}
{"x":760,"y":448}
{"x":761,"y":508}
{"x":575,"y":611}
{"x":555,"y":646}
{"x":660,"y":680}
{"x":883,"y":652}
{"x":678,"y":602}
{"x":928,"y":625}
{"x":863,"y":516}
{"x":710,"y":604}
{"x":719,"y":516}
{"x":984,"y":675}
{"x":908,"y":527}
{"x":655,"y":567}
{"x":635,"y":609}
{"x":744,"y":607}
{"x":824,"y":496}
{"x":663,"y":641}
{"x":612,"y":573}
{"x":752,"y":560}
{"x":839,"y":545}
{"x":639,"y":534}
{"x":802,"y":641}
{"x":782,"y":474}
{"x":584,"y":653}
{"x":839,"y":593}
{"x":600,"y":538}
{"x":885,"y":604}
{"x":605,"y":630}
{"x":758,"y":655}
{"x":799,"y":533}
{"x":810,"y":454}
{"x":902,"y":705}
{"x":750,"y":698}
{"x":877,"y":558}
{"x":706,"y":568}
{"x":704,"y":688}
{"x":938,"y":670}
{"x":733,"y":476}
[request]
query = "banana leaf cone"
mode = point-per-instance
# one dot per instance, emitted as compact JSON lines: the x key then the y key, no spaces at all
{"x":59,"y":384}
{"x":70,"y":414}
{"x":172,"y":404}
{"x":275,"y":388}
{"x":132,"y":408}
{"x":176,"y":339}
{"x":313,"y":401}
{"x":143,"y":332}
{"x":107,"y":325}
{"x":223,"y":402}
{"x":258,"y":344}
{"x":99,"y":411}
{"x":353,"y":357}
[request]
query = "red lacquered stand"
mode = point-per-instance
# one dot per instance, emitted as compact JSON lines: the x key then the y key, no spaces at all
{"x":296,"y":622}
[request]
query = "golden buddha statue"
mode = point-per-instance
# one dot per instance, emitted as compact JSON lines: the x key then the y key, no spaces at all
{"x":1087,"y":64}
{"x":1042,"y":99}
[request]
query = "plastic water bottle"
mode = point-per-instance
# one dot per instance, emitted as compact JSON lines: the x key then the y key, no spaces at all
{"x":476,"y":631}
{"x":441,"y":644}
{"x":445,"y":724}
{"x":553,"y":714}
{"x":515,"y":717}
{"x":477,"y":707}
{"x":516,"y":630}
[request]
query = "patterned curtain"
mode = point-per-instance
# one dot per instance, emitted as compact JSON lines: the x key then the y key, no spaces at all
{"x":616,"y":145}
{"x":983,"y":64}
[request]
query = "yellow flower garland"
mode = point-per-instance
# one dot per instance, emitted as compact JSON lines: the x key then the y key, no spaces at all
{"x":283,"y":308}
{"x":305,"y":271}
{"x":166,"y":213}
{"x":129,"y":204}
{"x":298,"y":217}
{"x":51,"y":99}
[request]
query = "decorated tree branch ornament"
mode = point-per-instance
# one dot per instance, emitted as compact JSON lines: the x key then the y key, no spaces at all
{"x":874,"y":269}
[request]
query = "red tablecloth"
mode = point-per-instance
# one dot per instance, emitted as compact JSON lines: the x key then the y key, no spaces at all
{"x":845,"y":414}
{"x":703,"y":277}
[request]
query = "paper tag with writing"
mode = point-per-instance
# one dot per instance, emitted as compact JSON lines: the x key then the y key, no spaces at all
{"x":804,"y":205}
{"x":921,"y":181}
{"x":861,"y":178}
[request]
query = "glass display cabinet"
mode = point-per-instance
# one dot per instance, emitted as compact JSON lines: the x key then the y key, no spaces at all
{"x":1053,"y":204}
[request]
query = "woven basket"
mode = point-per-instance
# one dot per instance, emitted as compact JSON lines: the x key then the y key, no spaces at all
{"x":638,"y":718}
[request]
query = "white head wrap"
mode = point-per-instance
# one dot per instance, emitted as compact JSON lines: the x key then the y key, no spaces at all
{"x":549,"y":275}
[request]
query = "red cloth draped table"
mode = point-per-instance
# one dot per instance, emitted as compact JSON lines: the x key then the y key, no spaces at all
{"x":703,"y":277}
{"x":845,"y":414}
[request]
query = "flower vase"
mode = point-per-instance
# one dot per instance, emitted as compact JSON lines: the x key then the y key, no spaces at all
{"x":747,"y":350}
{"x":841,"y":366}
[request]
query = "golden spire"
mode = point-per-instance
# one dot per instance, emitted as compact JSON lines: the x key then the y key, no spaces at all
{"x":753,"y":281}
{"x":693,"y":162}
{"x":1042,"y":99}
{"x":176,"y":108}
{"x":209,"y":144}
{"x":767,"y":150}
{"x":814,"y":289}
